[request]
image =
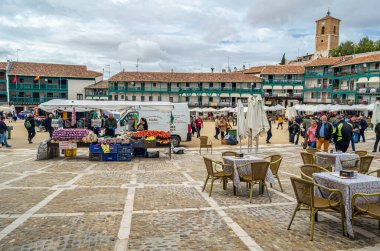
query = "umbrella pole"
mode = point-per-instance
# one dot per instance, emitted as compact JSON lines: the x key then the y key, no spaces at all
{"x":257,"y":143}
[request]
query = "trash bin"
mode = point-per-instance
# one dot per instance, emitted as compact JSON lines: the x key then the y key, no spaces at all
{"x":10,"y":128}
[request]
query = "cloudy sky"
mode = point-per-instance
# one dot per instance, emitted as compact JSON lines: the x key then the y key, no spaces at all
{"x":183,"y":35}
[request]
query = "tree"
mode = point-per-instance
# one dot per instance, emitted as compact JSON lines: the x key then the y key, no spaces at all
{"x":283,"y":60}
{"x":348,"y":47}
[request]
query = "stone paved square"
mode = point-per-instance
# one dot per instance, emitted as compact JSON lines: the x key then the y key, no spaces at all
{"x":18,"y":201}
{"x":4,"y":177}
{"x":163,"y":177}
{"x":43,"y":180}
{"x":107,"y":178}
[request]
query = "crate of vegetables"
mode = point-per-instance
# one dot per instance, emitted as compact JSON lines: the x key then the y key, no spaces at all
{"x":152,"y":133}
{"x":149,"y":142}
{"x":70,"y":134}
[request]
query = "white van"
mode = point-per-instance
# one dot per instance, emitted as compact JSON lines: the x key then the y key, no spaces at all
{"x":176,"y":121}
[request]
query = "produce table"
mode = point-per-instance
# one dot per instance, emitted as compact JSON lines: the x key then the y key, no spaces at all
{"x":169,"y":146}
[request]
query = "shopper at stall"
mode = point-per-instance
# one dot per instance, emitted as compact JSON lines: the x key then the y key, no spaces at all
{"x":3,"y":133}
{"x":199,"y":125}
{"x":110,"y":124}
{"x":324,"y":132}
{"x":342,"y":134}
{"x":377,"y":131}
{"x":48,"y":125}
{"x":362,"y":126}
{"x":217,"y":127}
{"x":30,"y":126}
{"x":355,"y":131}
{"x":143,"y":125}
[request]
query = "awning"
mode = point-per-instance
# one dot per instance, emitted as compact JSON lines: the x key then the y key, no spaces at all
{"x":288,"y":87}
{"x":277,"y":87}
{"x":298,"y":87}
{"x":267,"y":87}
{"x":224,"y":95}
{"x":246,"y":95}
{"x":362,"y":80}
{"x":374,"y":80}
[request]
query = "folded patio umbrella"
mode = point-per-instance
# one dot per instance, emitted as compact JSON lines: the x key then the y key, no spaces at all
{"x":242,"y":132}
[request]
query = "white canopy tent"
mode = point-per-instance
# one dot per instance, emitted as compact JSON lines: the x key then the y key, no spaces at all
{"x":226,"y":109}
{"x":88,"y":105}
{"x":196,"y":109}
{"x":209,"y":109}
{"x":7,"y":108}
{"x":290,"y":112}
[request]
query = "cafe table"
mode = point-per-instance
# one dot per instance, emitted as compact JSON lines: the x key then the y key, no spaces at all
{"x":361,"y":183}
{"x":336,"y":158}
{"x":246,"y":170}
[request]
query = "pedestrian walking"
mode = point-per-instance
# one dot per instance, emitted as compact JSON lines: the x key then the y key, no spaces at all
{"x":193,"y":126}
{"x":199,"y":125}
{"x":269,"y":132}
{"x":48,"y":125}
{"x":355,"y":131}
{"x":377,"y":132}
{"x":324,"y":133}
{"x":362,"y":127}
{"x":294,"y":131}
{"x":30,"y":126}
{"x":342,"y":134}
{"x":311,"y":134}
{"x":222,"y":126}
{"x":217,"y":127}
{"x":3,"y":133}
{"x":280,"y":121}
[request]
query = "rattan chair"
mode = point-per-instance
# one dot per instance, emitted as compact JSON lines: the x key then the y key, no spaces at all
{"x":304,"y":191}
{"x":376,"y":171}
{"x":307,"y":158}
{"x":323,"y":162}
{"x":362,"y":164}
{"x":229,"y":153}
{"x":258,"y":173}
{"x":371,"y":209}
{"x":275,"y":162}
{"x":361,"y":153}
{"x":307,"y":171}
{"x":204,"y":143}
{"x":213,"y":174}
{"x":312,"y":150}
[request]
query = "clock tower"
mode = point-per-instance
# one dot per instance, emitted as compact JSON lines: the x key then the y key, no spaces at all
{"x":326,"y":35}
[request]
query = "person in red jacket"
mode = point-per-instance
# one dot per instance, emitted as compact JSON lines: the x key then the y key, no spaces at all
{"x":199,"y":125}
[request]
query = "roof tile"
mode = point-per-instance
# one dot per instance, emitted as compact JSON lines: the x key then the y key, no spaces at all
{"x":100,"y":85}
{"x":360,"y":60}
{"x":283,"y":69}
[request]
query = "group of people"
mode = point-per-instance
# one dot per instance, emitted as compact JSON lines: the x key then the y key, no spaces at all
{"x":222,"y":126}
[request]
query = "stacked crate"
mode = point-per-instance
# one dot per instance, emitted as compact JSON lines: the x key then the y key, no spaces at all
{"x":124,"y":152}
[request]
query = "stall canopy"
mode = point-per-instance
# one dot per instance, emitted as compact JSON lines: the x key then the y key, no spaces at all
{"x":196,"y":109}
{"x":7,"y":108}
{"x":87,"y":105}
{"x":209,"y":109}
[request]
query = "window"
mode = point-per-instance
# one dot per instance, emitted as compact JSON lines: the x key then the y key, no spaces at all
{"x":133,"y":98}
{"x":289,"y":77}
{"x":177,"y":84}
{"x":334,"y":29}
{"x":315,"y":95}
{"x":323,"y":30}
{"x":211,"y":85}
{"x":21,"y":80}
{"x":116,"y":97}
{"x":377,"y":66}
{"x":50,"y":81}
{"x":322,"y":41}
{"x":210,"y":99}
{"x":154,"y":84}
{"x":187,"y":84}
{"x":150,"y":98}
{"x":142,"y":98}
{"x":170,"y":99}
{"x":187,"y":99}
{"x":159,"y":98}
{"x":122,"y":97}
{"x":79,"y":96}
{"x":126,"y":98}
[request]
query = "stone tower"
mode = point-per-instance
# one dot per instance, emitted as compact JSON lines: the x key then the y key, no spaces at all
{"x":326,"y":35}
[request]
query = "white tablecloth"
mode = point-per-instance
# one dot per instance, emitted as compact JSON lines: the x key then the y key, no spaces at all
{"x":336,"y":159}
{"x":361,"y":184}
{"x":235,"y":162}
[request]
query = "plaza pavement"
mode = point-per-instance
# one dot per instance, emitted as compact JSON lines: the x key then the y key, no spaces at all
{"x":156,"y":204}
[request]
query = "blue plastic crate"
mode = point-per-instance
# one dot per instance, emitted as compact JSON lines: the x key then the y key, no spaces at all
{"x":127,"y":148}
{"x":109,"y":156}
{"x":124,"y":157}
{"x":113,"y":148}
{"x":138,"y":144}
{"x":96,"y":148}
{"x":139,"y":152}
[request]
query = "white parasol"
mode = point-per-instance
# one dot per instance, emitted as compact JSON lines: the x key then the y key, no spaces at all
{"x":242,"y":132}
{"x":376,"y":114}
{"x":209,"y":109}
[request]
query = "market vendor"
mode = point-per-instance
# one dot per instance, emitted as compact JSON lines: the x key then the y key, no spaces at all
{"x":110,"y":125}
{"x":143,"y":125}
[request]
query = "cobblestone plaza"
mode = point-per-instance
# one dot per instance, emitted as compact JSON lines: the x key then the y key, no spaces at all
{"x":157,"y":204}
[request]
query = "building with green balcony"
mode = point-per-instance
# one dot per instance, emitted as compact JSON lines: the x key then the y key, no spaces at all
{"x":98,"y":91}
{"x":281,"y":84}
{"x":3,"y":82}
{"x":33,"y":83}
{"x":197,"y":89}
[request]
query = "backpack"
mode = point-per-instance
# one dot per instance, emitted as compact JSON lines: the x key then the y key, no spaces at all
{"x":27,"y":124}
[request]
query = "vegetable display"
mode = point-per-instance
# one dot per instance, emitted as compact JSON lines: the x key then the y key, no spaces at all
{"x":70,"y":134}
{"x":151,"y":133}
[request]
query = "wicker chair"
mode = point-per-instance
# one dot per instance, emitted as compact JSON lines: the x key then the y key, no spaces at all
{"x":308,"y":170}
{"x":376,"y":171}
{"x":312,"y":150}
{"x":224,"y":174}
{"x":205,"y":143}
{"x":229,"y":153}
{"x":323,"y":162}
{"x":307,"y":158}
{"x":275,"y":162}
{"x":362,"y":164}
{"x":361,"y":153}
{"x":369,"y":209}
{"x":304,"y":191}
{"x":258,"y":173}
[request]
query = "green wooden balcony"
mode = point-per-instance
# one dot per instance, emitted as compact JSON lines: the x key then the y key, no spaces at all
{"x":283,"y":82}
{"x":318,"y":74}
{"x":97,"y":96}
{"x":37,"y":87}
{"x":28,"y":100}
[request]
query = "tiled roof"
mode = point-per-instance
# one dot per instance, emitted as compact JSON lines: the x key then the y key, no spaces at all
{"x":52,"y":70}
{"x":3,"y":66}
{"x":100,"y":85}
{"x":327,"y":17}
{"x":360,"y":60}
{"x":324,"y":61}
{"x":283,"y":69}
{"x":183,"y":77}
{"x":254,"y":69}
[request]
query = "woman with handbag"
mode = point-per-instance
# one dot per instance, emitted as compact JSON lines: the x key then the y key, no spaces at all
{"x":311,"y":134}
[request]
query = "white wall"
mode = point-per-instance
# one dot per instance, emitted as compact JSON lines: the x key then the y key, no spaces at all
{"x":76,"y":86}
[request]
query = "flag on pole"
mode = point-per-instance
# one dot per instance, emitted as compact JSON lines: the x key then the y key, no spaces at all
{"x":37,"y":78}
{"x":14,"y":79}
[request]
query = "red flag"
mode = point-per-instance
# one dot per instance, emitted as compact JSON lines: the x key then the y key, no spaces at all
{"x":37,"y":78}
{"x":14,"y":79}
